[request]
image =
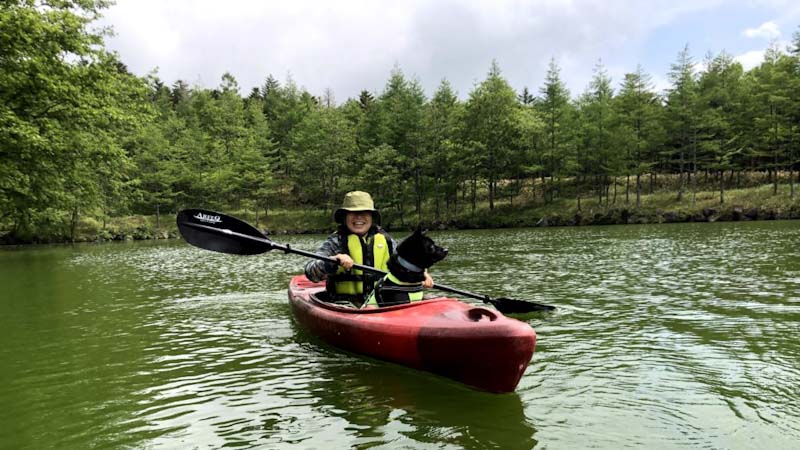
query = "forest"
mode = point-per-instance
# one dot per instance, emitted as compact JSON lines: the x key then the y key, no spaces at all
{"x":84,"y":139}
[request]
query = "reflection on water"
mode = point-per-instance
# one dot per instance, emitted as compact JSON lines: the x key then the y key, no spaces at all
{"x":666,"y":336}
{"x":395,"y":406}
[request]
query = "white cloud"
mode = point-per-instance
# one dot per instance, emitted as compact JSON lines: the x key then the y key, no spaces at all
{"x":767,"y":30}
{"x":750,"y":59}
{"x":350,"y":45}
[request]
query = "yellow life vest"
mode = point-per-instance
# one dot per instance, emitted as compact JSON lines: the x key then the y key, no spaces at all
{"x":352,"y":283}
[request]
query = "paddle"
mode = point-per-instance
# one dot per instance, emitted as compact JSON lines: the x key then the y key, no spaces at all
{"x":222,"y":233}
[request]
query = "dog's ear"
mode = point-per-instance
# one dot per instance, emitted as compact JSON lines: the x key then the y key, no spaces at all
{"x":420,"y":231}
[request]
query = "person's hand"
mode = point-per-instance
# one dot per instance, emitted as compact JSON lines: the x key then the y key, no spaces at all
{"x":344,"y":260}
{"x":428,"y":282}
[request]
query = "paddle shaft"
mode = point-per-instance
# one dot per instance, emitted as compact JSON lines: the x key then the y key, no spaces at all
{"x":286,"y":248}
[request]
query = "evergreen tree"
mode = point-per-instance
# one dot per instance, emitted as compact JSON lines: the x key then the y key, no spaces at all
{"x":597,"y":117}
{"x":152,"y":153}
{"x":442,"y":114}
{"x":556,"y":110}
{"x":793,"y":67}
{"x":720,"y":97}
{"x":365,"y":99}
{"x":681,"y":114}
{"x":639,"y":131}
{"x":491,"y":121}
{"x":379,"y":177}
{"x":402,"y":103}
{"x":526,"y":98}
{"x":179,"y":93}
{"x":772,"y":112}
{"x":323,"y":144}
{"x":528,"y":154}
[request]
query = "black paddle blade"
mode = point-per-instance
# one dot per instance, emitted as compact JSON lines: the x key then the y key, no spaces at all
{"x":513,"y":306}
{"x":221,"y":233}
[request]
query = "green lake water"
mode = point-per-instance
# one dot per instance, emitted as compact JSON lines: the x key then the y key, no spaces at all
{"x":666,"y":336}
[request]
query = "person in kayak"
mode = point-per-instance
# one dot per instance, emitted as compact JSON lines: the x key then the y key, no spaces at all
{"x":359,"y":239}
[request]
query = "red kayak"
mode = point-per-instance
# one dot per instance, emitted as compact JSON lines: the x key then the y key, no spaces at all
{"x":473,"y":345}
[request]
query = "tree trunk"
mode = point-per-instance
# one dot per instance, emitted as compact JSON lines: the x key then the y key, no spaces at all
{"x":474,"y":190}
{"x":638,"y":191}
{"x":615,"y":193}
{"x":418,"y":189}
{"x":627,"y":188}
{"x":436,"y":199}
{"x":545,"y":195}
{"x":775,"y":182}
{"x":73,"y":224}
{"x":680,"y":178}
{"x":694,"y":172}
{"x":791,"y":166}
{"x":775,"y":152}
{"x":491,"y":193}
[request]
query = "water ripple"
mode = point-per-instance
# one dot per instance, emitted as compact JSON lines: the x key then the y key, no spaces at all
{"x":665,"y":336}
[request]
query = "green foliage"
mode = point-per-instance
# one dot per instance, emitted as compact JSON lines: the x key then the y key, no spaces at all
{"x":491,"y":121}
{"x":558,"y":115}
{"x":597,"y":153}
{"x":323,"y":146}
{"x":681,"y":113}
{"x":639,"y":128}
{"x":720,"y":108}
{"x":402,"y":103}
{"x":67,"y":109}
{"x":441,"y":161}
{"x":84,"y":142}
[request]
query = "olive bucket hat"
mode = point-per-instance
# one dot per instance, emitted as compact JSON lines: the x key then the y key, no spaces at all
{"x":356,"y":201}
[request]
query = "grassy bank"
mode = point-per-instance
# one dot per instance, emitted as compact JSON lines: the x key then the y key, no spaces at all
{"x":758,"y":203}
{"x":90,"y":229}
{"x":662,"y":207}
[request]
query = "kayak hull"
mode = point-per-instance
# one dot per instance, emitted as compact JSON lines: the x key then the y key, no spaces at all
{"x":473,"y":345}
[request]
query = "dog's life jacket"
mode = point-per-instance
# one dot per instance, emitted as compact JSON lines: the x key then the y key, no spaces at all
{"x":403,"y":284}
{"x":355,"y":284}
{"x":390,"y":291}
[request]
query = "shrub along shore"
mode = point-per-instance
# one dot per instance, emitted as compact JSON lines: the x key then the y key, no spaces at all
{"x":740,"y":205}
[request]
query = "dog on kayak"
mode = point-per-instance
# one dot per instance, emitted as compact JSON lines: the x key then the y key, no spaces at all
{"x":403,"y":283}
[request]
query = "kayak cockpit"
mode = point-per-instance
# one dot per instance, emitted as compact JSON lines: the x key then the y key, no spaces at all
{"x":322,"y":299}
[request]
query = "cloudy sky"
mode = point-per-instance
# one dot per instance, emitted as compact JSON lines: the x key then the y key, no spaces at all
{"x":351,"y":45}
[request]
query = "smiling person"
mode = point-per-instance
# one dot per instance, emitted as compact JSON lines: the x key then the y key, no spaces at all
{"x":359,"y":239}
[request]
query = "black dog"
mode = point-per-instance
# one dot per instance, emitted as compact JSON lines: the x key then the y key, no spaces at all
{"x":403,"y":283}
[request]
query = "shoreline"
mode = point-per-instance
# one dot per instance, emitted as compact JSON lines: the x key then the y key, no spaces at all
{"x":611,"y":216}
